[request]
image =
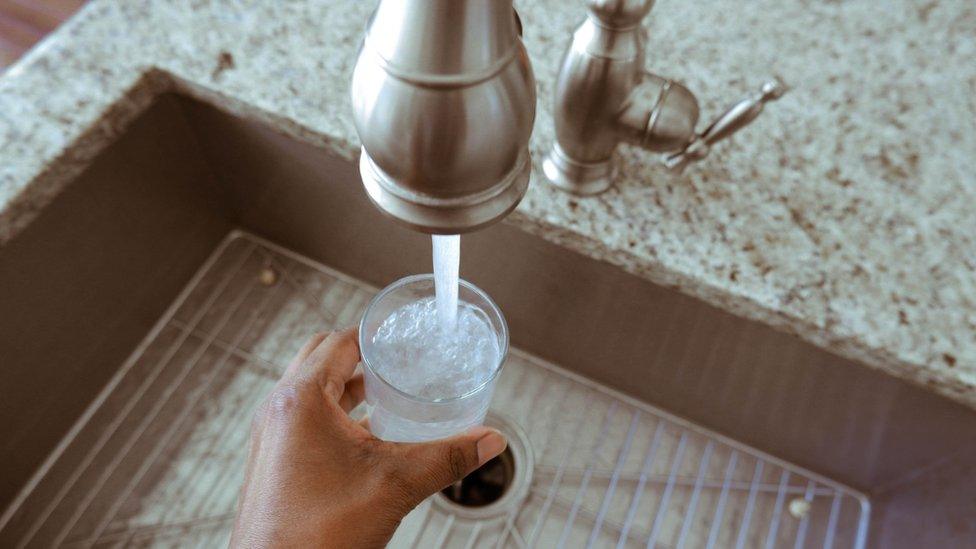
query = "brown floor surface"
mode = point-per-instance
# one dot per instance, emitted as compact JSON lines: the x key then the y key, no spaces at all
{"x":24,"y":22}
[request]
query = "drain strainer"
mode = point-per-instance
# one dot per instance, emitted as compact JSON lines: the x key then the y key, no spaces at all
{"x":486,"y":485}
{"x":497,"y":486}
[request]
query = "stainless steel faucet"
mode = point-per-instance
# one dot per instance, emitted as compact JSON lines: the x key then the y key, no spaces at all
{"x":444,"y":100}
{"x":604,"y":96}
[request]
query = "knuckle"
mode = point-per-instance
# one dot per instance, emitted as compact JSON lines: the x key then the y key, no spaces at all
{"x":332,"y":386}
{"x":348,"y":336}
{"x":283,"y":402}
{"x":345,"y":340}
{"x":457,"y":462}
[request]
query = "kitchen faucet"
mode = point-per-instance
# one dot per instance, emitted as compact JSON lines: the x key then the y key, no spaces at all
{"x":604,"y":96}
{"x":444,"y":101}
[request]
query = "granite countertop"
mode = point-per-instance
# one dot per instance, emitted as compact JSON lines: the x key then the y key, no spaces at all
{"x":845,"y":214}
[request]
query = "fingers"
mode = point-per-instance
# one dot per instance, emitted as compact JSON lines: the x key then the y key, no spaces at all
{"x":355,"y":392}
{"x":310,"y":345}
{"x":330,"y":363}
{"x":431,"y":466}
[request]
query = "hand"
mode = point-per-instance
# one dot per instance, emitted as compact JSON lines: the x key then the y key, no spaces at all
{"x":317,"y":478}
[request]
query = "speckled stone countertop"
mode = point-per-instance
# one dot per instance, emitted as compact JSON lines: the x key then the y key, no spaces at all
{"x":846,"y":214}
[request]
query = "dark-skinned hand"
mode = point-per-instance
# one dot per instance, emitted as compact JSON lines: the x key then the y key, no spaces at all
{"x":317,"y":478}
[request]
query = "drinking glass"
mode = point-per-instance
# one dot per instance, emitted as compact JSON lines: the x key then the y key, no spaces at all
{"x":399,"y":416}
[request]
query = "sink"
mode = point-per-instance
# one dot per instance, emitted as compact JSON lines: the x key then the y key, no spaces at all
{"x":149,"y":308}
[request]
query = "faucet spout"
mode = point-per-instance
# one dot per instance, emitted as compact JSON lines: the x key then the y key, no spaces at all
{"x":444,"y":101}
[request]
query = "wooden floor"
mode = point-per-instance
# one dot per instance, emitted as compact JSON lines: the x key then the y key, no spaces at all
{"x":24,"y":22}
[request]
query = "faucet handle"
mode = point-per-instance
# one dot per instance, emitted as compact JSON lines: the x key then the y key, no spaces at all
{"x":732,"y":120}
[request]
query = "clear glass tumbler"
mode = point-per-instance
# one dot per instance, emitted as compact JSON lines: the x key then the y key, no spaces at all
{"x":398,"y":416}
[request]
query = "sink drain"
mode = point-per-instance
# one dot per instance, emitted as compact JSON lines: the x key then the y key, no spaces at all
{"x":497,"y":486}
{"x":486,"y":485}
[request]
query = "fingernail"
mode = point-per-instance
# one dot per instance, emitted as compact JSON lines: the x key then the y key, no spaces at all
{"x":490,"y":446}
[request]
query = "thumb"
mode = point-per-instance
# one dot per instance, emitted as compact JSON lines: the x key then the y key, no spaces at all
{"x":432,"y":466}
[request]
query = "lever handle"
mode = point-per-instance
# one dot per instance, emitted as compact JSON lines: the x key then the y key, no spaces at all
{"x":732,"y":120}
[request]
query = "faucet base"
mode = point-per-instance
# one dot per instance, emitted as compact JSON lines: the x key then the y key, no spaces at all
{"x":582,"y":178}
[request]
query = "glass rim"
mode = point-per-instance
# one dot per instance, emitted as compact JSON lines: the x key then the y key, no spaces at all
{"x":502,"y":343}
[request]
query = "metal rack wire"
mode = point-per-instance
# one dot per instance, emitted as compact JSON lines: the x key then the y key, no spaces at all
{"x":157,"y":460}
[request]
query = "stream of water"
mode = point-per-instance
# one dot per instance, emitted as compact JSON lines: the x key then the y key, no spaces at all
{"x":447,"y":262}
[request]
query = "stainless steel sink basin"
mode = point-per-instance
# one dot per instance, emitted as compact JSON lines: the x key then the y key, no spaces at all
{"x":147,"y":310}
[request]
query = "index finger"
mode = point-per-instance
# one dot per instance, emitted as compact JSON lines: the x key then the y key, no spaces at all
{"x":330,"y":364}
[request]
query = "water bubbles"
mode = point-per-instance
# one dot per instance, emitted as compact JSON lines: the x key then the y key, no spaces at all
{"x":418,"y":355}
